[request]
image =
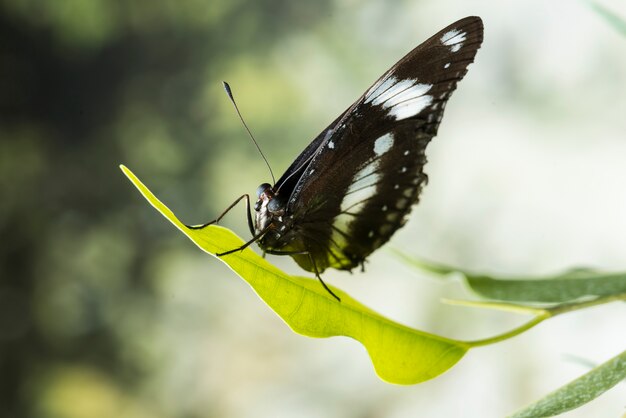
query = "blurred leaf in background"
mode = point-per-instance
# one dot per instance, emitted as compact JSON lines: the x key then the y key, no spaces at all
{"x":85,"y":85}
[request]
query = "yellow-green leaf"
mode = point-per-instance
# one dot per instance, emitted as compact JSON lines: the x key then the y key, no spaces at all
{"x":399,"y":354}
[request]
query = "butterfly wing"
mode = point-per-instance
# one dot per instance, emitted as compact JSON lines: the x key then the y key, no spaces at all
{"x":357,"y":181}
{"x":288,"y":181}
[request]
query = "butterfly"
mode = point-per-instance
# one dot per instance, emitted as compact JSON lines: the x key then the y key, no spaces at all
{"x":353,"y":186}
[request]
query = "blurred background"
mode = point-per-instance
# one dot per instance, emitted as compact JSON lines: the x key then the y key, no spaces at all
{"x":107,"y":311}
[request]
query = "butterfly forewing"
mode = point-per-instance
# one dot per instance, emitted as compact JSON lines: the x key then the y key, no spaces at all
{"x":286,"y":184}
{"x":353,"y":186}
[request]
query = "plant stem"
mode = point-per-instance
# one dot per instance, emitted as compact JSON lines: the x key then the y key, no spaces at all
{"x":547,"y":313}
{"x":569,"y":307}
{"x":510,"y":334}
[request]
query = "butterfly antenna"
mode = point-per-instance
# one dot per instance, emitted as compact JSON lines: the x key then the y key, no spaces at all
{"x":232,"y":99}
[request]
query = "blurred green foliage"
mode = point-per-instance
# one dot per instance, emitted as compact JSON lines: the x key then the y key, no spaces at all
{"x":84,"y":86}
{"x":611,"y":17}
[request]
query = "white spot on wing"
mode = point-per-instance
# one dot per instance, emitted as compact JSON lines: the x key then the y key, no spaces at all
{"x":410,"y":93}
{"x":411,"y":107}
{"x":402,"y":203}
{"x":393,"y":90}
{"x":331,"y":145}
{"x":358,"y":202}
{"x":378,"y":88}
{"x":337,"y":239}
{"x":362,"y":188}
{"x":403,"y":98}
{"x":447,"y":65}
{"x":366,"y":176}
{"x":452,"y":37}
{"x":383,"y":144}
{"x":392,"y":217}
{"x":385,"y":229}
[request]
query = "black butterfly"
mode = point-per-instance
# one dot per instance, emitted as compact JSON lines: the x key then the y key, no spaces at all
{"x":353,"y":186}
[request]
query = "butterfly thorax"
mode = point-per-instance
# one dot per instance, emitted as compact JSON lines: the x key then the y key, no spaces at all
{"x":264,"y":217}
{"x":272,"y":219}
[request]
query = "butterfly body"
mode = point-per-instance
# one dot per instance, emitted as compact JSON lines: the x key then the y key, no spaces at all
{"x":353,"y":186}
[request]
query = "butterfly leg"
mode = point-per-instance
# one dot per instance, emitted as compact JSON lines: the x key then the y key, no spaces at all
{"x":254,"y":239}
{"x":249,"y":213}
{"x":317,"y":274}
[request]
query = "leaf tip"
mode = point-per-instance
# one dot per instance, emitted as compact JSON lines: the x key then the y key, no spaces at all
{"x":131,"y":176}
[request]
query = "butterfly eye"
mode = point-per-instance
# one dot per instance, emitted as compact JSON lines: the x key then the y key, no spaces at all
{"x":276,"y":205}
{"x":262,"y":188}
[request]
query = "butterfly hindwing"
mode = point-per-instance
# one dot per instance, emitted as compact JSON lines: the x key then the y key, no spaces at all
{"x":353,"y":186}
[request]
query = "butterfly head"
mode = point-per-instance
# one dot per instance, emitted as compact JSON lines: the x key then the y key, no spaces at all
{"x":263,"y":192}
{"x":269,"y":207}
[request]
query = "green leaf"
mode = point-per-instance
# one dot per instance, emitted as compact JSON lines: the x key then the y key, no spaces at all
{"x":580,"y":391}
{"x":555,"y":289}
{"x":569,"y":286}
{"x":400,"y":354}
